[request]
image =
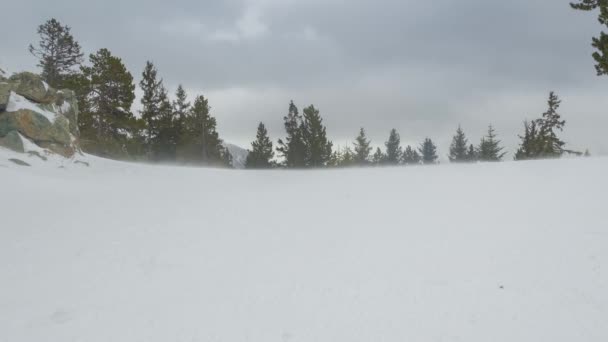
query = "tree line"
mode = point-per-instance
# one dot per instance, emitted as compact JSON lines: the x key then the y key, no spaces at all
{"x":177,"y":130}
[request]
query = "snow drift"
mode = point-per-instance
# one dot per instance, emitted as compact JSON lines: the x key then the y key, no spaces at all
{"x":486,"y":252}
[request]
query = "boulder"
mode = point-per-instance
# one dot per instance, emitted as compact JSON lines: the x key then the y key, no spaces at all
{"x":43,"y":115}
{"x":12,"y":141}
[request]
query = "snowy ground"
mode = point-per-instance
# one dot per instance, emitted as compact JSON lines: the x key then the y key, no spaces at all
{"x":120,"y":252}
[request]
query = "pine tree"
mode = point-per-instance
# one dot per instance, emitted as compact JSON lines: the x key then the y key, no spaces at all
{"x":318,"y":147}
{"x":411,"y":156}
{"x":204,"y":144}
{"x":261,"y":153}
{"x":472,"y":154}
{"x":293,"y":149}
{"x":428,"y":150}
{"x":393,"y":148}
{"x":458,"y":149}
{"x":58,"y":52}
{"x":347,"y":158}
{"x":529,"y":147}
{"x":550,"y":144}
{"x":489,"y":148}
{"x":108,"y":122}
{"x":378,"y":157}
{"x":181,"y":107}
{"x":164,"y":143}
{"x":151,"y":101}
{"x":600,"y":44}
{"x":362,"y":149}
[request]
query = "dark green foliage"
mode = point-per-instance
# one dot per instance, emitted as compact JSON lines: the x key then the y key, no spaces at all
{"x":57,"y":52}
{"x":181,"y":108}
{"x":293,"y":149}
{"x":529,"y":147}
{"x":458,"y":148}
{"x":202,"y":142}
{"x":428,"y":150}
{"x":489,"y":149}
{"x":106,"y":123}
{"x":164,"y":142}
{"x":540,"y":138}
{"x":600,"y":44}
{"x":362,"y":149}
{"x":151,"y":102}
{"x":378,"y":157}
{"x":411,"y":156}
{"x":318,"y":147}
{"x":393,"y":148}
{"x":346,"y":157}
{"x":261,"y":153}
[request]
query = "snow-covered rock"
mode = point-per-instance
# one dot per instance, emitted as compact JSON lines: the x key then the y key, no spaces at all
{"x":45,"y":116}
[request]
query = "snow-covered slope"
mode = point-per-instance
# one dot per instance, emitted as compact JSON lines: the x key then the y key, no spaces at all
{"x":123,"y":252}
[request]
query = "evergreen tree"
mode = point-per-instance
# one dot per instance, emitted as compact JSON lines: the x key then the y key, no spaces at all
{"x":164,"y":142}
{"x":550,"y":144}
{"x":600,"y":44}
{"x":458,"y":148}
{"x":318,"y":147}
{"x":587,"y":153}
{"x":293,"y":149}
{"x":411,"y":156}
{"x":181,"y":108}
{"x":378,"y":157}
{"x":489,"y":147}
{"x":151,"y":102}
{"x":204,"y":143}
{"x":362,"y":149}
{"x":393,"y":148}
{"x":428,"y":150}
{"x":107,"y":123}
{"x":261,"y":153}
{"x":529,"y":147}
{"x":472,"y":154}
{"x":58,"y":52}
{"x":347,"y":158}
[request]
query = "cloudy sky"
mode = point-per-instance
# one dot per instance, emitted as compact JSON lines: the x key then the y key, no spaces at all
{"x":422,"y":67}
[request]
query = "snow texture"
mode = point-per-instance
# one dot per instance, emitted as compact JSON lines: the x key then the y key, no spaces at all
{"x":17,"y":102}
{"x":503,"y":252}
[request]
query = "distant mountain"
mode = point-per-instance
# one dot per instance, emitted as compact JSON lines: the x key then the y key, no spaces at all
{"x":239,"y":155}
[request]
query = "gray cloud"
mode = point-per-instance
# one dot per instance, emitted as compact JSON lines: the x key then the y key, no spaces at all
{"x":422,"y":67}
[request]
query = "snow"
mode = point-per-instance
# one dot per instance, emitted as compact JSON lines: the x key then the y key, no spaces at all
{"x":514,"y":251}
{"x":46,"y":86}
{"x":17,"y":102}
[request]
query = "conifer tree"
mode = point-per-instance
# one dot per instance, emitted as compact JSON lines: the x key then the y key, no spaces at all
{"x":489,"y":148}
{"x":428,"y":151}
{"x":108,"y":121}
{"x":472,"y":154}
{"x":393,"y":148}
{"x":151,"y":101}
{"x":411,"y":156}
{"x":165,"y":141}
{"x":293,"y":148}
{"x":548,"y":125}
{"x":261,"y":153}
{"x":181,"y":107}
{"x":599,"y":43}
{"x":458,"y":148}
{"x":203,"y":138}
{"x":529,"y":147}
{"x":378,"y":157}
{"x":58,"y":52}
{"x":314,"y":133}
{"x":362,"y":149}
{"x":347,"y":158}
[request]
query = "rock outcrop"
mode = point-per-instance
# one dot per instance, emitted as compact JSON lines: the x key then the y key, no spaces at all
{"x":30,"y":109}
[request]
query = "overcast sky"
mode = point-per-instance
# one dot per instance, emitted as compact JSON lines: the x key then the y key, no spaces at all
{"x":422,"y":67}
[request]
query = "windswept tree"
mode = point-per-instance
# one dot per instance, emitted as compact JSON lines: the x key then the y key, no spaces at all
{"x":261,"y":153}
{"x":599,"y":43}
{"x":151,"y":102}
{"x":489,"y":148}
{"x":108,"y":122}
{"x":164,"y":142}
{"x":393,"y":148}
{"x":58,"y":52}
{"x":411,"y":156}
{"x":362,"y":149}
{"x":459,"y":147}
{"x":293,"y":148}
{"x":528,"y":148}
{"x":550,"y":123}
{"x":472,"y":155}
{"x":314,"y":133}
{"x":428,"y":151}
{"x":181,"y":107}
